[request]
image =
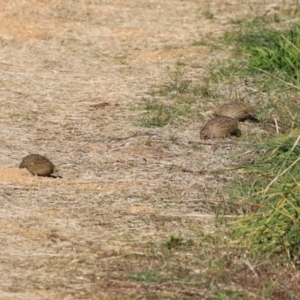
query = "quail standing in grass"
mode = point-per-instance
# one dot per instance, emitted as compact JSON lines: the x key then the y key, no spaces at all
{"x":220,"y":127}
{"x":237,"y":110}
{"x":38,"y":165}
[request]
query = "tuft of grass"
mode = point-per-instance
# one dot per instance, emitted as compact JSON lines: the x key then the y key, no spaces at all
{"x":173,"y":138}
{"x":273,"y":51}
{"x":158,"y":115}
{"x":148,"y":142}
{"x":144,"y":276}
{"x":228,"y":294}
{"x":273,"y":226}
{"x":267,"y":65}
{"x":268,"y":62}
{"x":207,"y":13}
{"x":177,"y":100}
{"x":176,"y":85}
{"x":265,"y":50}
{"x":177,"y":242}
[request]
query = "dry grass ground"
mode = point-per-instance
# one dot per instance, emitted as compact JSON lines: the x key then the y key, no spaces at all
{"x":104,"y":230}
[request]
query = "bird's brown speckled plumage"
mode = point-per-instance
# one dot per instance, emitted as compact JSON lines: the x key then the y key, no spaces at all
{"x":237,"y":110}
{"x":37,"y":164}
{"x":220,"y":127}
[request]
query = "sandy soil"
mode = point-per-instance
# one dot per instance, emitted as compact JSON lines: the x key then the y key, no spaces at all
{"x":67,"y":238}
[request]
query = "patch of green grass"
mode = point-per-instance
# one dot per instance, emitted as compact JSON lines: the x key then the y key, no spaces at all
{"x":267,"y":63}
{"x":254,"y":136}
{"x":210,"y":266}
{"x":148,"y":142}
{"x":207,"y":13}
{"x":177,"y":242}
{"x":175,"y":101}
{"x":176,"y":85}
{"x":196,"y":146}
{"x":173,"y":138}
{"x":265,"y":50}
{"x":122,"y":59}
{"x":209,"y":41}
{"x":270,"y":192}
{"x":257,"y":21}
{"x":266,"y":69}
{"x":267,"y":19}
{"x":201,"y":42}
{"x":16,"y":115}
{"x":228,"y":294}
{"x":158,"y":115}
{"x":203,"y":90}
{"x":144,"y":276}
{"x":171,"y":47}
{"x":181,"y":89}
{"x":174,"y":88}
{"x":272,"y":51}
{"x":273,"y":226}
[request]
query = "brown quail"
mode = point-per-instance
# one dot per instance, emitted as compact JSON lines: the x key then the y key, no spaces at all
{"x":38,"y":165}
{"x":237,"y":110}
{"x":220,"y":127}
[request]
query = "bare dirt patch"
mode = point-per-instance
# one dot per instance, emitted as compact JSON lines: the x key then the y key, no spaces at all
{"x":123,"y":191}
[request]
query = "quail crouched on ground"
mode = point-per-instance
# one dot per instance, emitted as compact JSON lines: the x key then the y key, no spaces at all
{"x":39,"y":165}
{"x":237,"y":110}
{"x":220,"y":127}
